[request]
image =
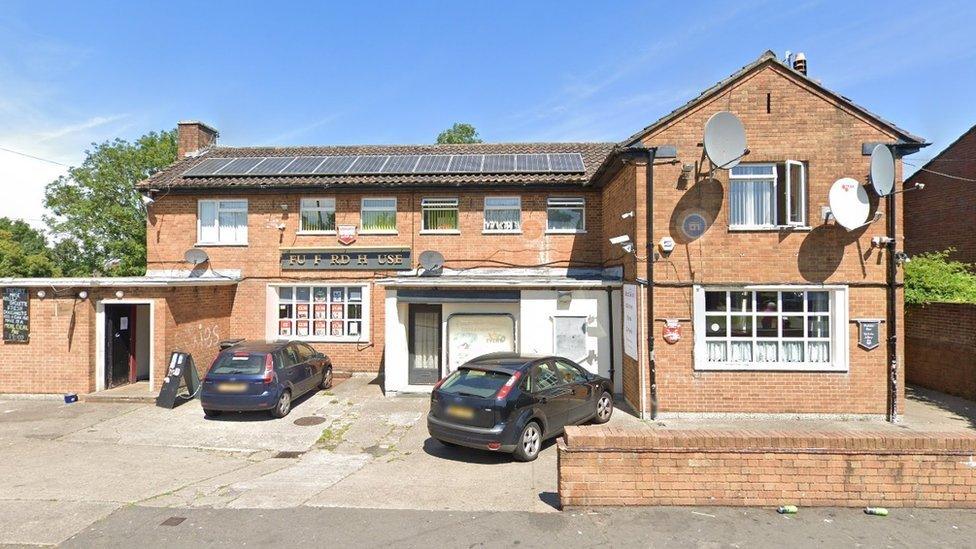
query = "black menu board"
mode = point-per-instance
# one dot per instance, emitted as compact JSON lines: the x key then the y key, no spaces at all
{"x":16,"y":315}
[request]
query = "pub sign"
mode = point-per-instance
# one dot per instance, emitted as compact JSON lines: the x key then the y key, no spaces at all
{"x":346,"y":259}
{"x":869,"y":333}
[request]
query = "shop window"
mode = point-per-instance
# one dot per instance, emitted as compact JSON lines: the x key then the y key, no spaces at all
{"x":318,"y":215}
{"x":222,"y":222}
{"x":378,"y":215}
{"x":439,"y":215}
{"x":503,"y":214}
{"x":775,"y":329}
{"x":767,"y":196}
{"x":566,"y":215}
{"x":322,"y":313}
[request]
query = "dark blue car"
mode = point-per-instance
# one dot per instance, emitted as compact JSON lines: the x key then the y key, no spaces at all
{"x":263,"y":376}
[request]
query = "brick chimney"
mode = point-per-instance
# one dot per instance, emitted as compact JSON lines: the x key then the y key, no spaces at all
{"x":194,"y":136}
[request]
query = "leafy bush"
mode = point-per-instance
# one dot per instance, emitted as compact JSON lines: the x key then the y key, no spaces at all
{"x":933,"y":277}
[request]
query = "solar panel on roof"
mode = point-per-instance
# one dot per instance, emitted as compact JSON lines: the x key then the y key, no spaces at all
{"x":240,"y":166}
{"x":498,"y":163}
{"x":433,"y":164}
{"x":401,"y":163}
{"x":566,"y":162}
{"x":272,"y":165}
{"x":335,"y":165}
{"x":303,"y":165}
{"x":208,"y":167}
{"x":466,"y":163}
{"x":368,"y":164}
{"x":531,"y":163}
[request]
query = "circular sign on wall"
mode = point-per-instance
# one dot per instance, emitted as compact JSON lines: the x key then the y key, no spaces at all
{"x":693,"y":225}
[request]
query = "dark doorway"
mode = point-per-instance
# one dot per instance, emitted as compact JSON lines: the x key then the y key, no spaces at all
{"x":120,"y":345}
{"x":424,"y":344}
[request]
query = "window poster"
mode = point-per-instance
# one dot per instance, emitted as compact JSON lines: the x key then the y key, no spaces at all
{"x":301,"y":310}
{"x":337,"y":310}
{"x":301,"y":328}
{"x":337,"y":294}
{"x":320,"y":295}
{"x":320,"y":328}
{"x":320,"y":310}
{"x":354,"y":328}
{"x":284,"y":327}
{"x":470,"y":336}
{"x":336,"y":328}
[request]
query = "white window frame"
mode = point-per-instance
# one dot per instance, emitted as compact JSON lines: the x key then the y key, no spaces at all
{"x":488,"y":207}
{"x":802,"y":222}
{"x":217,"y":211}
{"x":839,"y":338}
{"x":774,"y":178}
{"x":302,"y":209}
{"x":275,"y":301}
{"x":364,"y":208}
{"x":566,"y":202}
{"x":439,"y":203}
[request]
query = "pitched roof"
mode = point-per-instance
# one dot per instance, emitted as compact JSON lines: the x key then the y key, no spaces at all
{"x":768,"y":57}
{"x":172,"y":177}
{"x":912,"y":179}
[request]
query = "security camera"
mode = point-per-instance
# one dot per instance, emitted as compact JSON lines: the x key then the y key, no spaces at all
{"x":620,"y":240}
{"x":625,"y":215}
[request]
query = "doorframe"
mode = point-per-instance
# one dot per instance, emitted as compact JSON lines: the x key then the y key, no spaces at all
{"x":100,"y":337}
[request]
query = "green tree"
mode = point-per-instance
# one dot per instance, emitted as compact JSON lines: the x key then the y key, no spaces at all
{"x":933,"y":277}
{"x":97,"y":213}
{"x":24,"y":251}
{"x":458,"y":133}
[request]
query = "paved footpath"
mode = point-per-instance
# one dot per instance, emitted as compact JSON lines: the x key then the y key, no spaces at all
{"x":649,"y":527}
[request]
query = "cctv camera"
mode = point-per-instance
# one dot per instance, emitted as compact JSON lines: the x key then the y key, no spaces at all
{"x":625,"y":215}
{"x":622,"y":239}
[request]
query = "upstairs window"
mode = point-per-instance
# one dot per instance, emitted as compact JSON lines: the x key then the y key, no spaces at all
{"x":503,"y":214}
{"x":222,"y":222}
{"x":566,"y":215}
{"x":318,"y":215}
{"x":440,"y":215}
{"x":766,"y":196}
{"x":378,"y":215}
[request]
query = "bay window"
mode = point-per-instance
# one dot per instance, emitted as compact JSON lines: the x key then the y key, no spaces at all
{"x":778,"y":328}
{"x":322,"y":313}
{"x":503,"y":214}
{"x":222,"y":222}
{"x":767,"y":196}
{"x":439,"y":215}
{"x":318,"y":215}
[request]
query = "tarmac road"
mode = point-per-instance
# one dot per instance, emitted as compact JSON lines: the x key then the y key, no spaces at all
{"x":623,"y":527}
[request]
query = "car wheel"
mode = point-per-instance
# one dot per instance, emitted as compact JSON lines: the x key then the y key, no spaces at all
{"x":604,"y":408}
{"x":529,"y":442}
{"x":211,"y":413}
{"x":326,"y":379}
{"x":283,"y":406}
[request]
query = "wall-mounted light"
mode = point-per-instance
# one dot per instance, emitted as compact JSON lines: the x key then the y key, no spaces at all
{"x":83,"y":295}
{"x":41,"y":294}
{"x":119,"y":294}
{"x":687,"y":169}
{"x":564,"y":297}
{"x":284,"y":207}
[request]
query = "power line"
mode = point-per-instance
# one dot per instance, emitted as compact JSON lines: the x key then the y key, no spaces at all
{"x":34,"y":157}
{"x":950,"y":176}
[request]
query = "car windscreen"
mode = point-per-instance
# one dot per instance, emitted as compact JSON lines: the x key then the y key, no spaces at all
{"x":239,"y":363}
{"x":478,"y":383}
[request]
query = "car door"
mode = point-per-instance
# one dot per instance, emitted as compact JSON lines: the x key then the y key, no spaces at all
{"x":553,"y":395}
{"x":580,"y":404}
{"x":291,"y":370}
{"x":311,"y":366}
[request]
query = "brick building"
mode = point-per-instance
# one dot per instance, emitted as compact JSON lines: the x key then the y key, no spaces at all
{"x":759,"y":293}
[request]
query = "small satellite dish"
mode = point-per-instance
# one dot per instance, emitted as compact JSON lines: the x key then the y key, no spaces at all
{"x":431,"y":262}
{"x":849,"y":203}
{"x":725,"y":140}
{"x":195,"y":256}
{"x":882,"y":170}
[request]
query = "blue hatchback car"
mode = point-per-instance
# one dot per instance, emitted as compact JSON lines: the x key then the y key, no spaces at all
{"x":253,"y":376}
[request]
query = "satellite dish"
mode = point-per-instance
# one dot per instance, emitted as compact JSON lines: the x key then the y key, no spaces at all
{"x":195,"y":256}
{"x":725,"y":140}
{"x":849,"y":203}
{"x":882,"y":170}
{"x":431,"y":262}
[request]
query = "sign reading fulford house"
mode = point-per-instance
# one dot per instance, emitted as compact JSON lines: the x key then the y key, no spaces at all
{"x":346,"y":259}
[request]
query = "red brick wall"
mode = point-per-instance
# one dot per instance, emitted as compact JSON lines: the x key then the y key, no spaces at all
{"x":943,"y":215}
{"x":601,"y":467}
{"x":940,"y":350}
{"x":197,"y":319}
{"x":803,"y":125}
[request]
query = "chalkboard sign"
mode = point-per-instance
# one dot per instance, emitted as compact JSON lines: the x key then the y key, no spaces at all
{"x":16,"y":315}
{"x":182,"y":374}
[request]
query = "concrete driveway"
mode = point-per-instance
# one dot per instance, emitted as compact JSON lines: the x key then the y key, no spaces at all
{"x":63,"y":467}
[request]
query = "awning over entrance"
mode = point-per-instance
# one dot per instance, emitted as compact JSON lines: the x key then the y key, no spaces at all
{"x":543,"y":277}
{"x":438,"y":295}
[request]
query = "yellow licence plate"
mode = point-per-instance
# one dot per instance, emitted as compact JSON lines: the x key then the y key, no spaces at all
{"x":462,"y":412}
{"x":232,"y":387}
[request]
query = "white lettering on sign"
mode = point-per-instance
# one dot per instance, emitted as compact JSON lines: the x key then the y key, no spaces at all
{"x":630,"y":320}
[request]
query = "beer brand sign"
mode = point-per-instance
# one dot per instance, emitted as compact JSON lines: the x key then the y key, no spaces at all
{"x":348,"y":259}
{"x":672,"y":331}
{"x":346,"y":234}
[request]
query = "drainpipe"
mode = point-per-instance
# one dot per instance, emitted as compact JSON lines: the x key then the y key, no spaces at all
{"x":649,"y":182}
{"x":892,"y":377}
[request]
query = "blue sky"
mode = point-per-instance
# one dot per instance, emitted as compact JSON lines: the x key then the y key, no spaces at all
{"x":399,"y":72}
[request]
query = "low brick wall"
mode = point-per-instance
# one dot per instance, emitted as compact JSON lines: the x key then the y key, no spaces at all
{"x":601,"y":466}
{"x":940,"y":347}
